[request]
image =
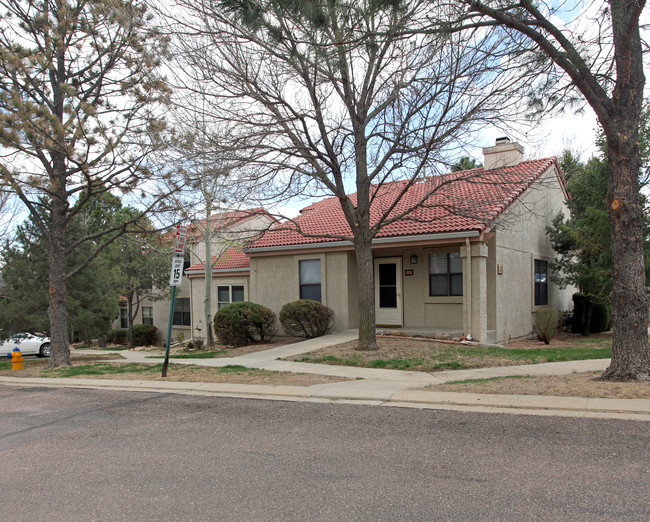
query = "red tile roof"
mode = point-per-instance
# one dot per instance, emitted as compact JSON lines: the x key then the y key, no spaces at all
{"x":459,"y":201}
{"x":233,"y":258}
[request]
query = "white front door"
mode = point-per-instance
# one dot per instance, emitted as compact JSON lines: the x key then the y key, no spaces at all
{"x":388,"y":291}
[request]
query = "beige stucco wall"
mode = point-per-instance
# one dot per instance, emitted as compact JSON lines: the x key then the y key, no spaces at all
{"x":197,"y":290}
{"x":274,"y":282}
{"x":520,"y":239}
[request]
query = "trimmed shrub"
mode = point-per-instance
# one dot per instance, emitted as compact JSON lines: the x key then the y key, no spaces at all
{"x":144,"y":334}
{"x":118,"y":336}
{"x":589,"y":316}
{"x":545,"y":323}
{"x":242,"y":323}
{"x":306,"y":318}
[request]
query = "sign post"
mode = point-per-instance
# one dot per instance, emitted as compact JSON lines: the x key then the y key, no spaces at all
{"x":175,"y":280}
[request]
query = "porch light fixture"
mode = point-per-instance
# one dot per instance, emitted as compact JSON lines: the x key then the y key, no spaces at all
{"x":414,"y":260}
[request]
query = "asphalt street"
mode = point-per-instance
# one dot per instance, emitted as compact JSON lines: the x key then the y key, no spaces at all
{"x":71,"y":454}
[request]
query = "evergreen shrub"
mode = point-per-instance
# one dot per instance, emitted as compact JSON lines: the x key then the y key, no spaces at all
{"x":242,"y":323}
{"x":306,"y":318}
{"x":544,"y":323}
{"x":144,"y":334}
{"x":117,"y":336}
{"x":600,"y":314}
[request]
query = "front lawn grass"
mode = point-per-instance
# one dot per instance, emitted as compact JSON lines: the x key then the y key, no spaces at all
{"x":235,"y":374}
{"x":132,"y":370}
{"x":429,"y":356}
{"x":493,"y":379}
{"x":92,"y":370}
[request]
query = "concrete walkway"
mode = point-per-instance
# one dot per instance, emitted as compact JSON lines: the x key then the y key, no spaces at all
{"x":373,"y":386}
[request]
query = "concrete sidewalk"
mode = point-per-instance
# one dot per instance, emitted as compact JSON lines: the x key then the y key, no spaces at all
{"x":373,"y":386}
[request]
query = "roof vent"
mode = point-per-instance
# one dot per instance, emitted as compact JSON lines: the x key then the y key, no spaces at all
{"x":505,"y":153}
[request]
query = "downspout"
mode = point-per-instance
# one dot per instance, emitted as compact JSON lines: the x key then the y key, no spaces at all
{"x":469,"y":288}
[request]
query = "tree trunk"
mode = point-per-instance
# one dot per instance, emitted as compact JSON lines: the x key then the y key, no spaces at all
{"x":587,"y":312}
{"x":57,"y":310}
{"x":207,"y":300}
{"x":630,"y":356}
{"x":365,"y":276}
{"x":129,"y":305}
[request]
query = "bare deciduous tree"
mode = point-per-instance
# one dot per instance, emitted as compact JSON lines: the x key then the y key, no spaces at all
{"x":208,"y":159}
{"x":344,"y":97}
{"x":593,"y":52}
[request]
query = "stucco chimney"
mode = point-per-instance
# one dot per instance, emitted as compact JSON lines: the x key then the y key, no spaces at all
{"x":504,"y":154}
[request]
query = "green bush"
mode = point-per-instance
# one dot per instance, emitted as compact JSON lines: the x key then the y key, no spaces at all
{"x":242,"y":323}
{"x":144,"y":334}
{"x":117,"y":336}
{"x":545,"y":323}
{"x":305,"y":318}
{"x":599,"y":321}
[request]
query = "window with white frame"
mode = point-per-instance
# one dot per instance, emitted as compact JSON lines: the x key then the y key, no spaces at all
{"x":147,"y":315}
{"x":227,"y":294}
{"x":310,"y":283}
{"x":541,"y":282}
{"x":445,"y":274}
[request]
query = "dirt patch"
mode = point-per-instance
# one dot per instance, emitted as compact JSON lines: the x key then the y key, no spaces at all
{"x":572,"y":385}
{"x":221,"y":351}
{"x":203,"y":374}
{"x":561,"y":340}
{"x":429,"y":355}
{"x":404,"y":354}
{"x":185,"y":373}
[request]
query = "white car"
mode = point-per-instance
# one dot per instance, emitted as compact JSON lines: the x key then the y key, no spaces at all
{"x":28,"y":344}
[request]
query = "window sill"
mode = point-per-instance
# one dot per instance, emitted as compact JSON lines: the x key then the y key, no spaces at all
{"x":455,"y":299}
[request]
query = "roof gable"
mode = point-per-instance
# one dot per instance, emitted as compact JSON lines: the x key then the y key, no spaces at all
{"x":461,"y":201}
{"x":226,"y":220}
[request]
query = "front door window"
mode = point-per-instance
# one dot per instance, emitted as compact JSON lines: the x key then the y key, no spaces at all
{"x":388,"y":285}
{"x":388,"y":291}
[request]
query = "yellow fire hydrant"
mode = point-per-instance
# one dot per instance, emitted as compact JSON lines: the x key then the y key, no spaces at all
{"x":16,"y":359}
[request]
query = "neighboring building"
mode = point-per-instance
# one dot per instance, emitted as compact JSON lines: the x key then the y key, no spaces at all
{"x":230,"y":230}
{"x":473,"y":260}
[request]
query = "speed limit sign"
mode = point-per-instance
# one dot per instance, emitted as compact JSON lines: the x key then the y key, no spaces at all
{"x":177,"y":271}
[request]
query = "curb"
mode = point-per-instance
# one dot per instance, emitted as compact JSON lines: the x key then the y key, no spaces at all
{"x":627,"y":409}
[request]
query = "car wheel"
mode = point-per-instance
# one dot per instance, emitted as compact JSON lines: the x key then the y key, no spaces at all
{"x":45,"y":350}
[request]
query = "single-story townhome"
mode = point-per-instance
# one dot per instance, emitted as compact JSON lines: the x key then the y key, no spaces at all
{"x":474,"y":259}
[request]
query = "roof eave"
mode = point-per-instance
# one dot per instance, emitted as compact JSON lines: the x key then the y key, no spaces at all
{"x":189,"y":273}
{"x":376,"y":241}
